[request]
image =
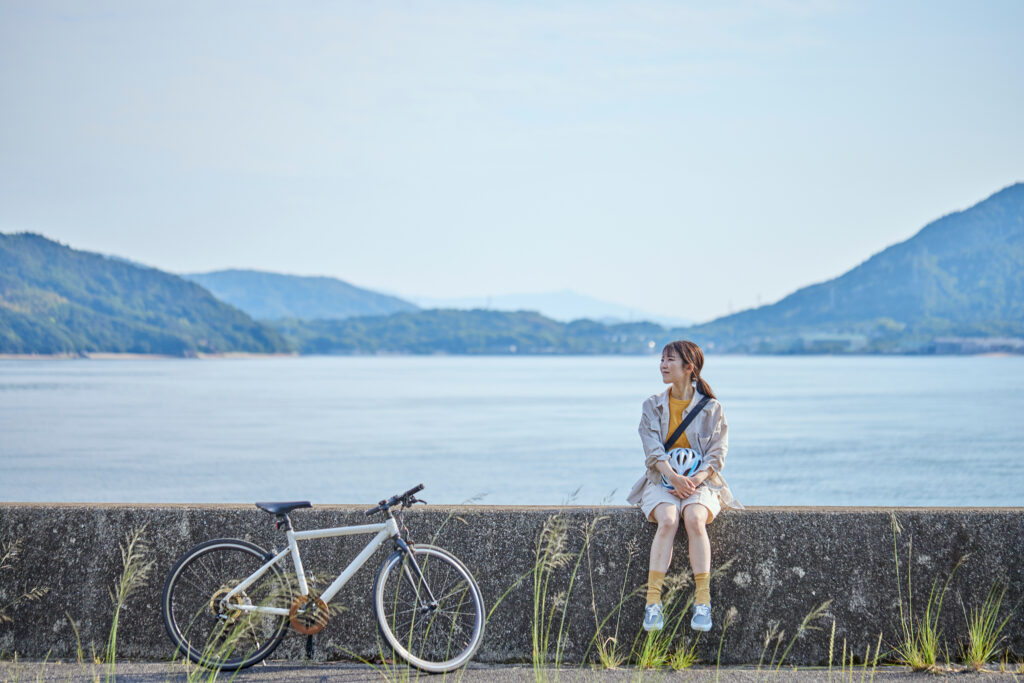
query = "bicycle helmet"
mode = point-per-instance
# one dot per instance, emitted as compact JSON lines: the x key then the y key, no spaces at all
{"x":684,"y":461}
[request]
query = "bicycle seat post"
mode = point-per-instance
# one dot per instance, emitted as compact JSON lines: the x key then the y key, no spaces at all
{"x":285,"y":521}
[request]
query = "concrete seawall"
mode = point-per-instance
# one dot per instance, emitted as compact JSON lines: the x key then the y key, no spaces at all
{"x":774,"y":565}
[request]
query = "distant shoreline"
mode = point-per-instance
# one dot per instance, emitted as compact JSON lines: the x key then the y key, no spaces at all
{"x":238,"y":355}
{"x":140,"y":356}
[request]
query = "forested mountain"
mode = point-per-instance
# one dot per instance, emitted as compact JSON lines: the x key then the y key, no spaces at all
{"x":962,"y":274}
{"x":273,"y":295}
{"x":54,"y":299}
{"x":467,"y":332}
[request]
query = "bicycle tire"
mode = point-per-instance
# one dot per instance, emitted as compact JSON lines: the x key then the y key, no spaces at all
{"x":438,"y":639}
{"x":198,"y":624}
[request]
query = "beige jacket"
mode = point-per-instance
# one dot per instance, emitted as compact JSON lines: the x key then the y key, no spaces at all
{"x":708,"y":433}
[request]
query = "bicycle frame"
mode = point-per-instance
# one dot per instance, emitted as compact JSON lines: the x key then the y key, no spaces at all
{"x":384,"y":531}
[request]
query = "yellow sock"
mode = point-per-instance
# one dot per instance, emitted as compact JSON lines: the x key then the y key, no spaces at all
{"x":654,"y":581}
{"x":702,"y":595}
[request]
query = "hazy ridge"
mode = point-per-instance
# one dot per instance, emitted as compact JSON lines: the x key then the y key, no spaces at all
{"x":266,"y":295}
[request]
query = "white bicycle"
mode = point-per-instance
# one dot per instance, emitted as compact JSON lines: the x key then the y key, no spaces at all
{"x":227,"y":603}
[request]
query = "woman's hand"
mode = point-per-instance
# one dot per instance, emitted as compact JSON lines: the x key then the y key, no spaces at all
{"x":683,"y":487}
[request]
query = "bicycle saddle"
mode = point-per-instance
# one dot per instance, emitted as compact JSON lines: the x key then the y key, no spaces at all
{"x":284,"y":508}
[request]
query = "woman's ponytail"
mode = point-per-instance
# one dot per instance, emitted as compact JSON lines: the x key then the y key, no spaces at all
{"x":692,"y":356}
{"x":704,"y":388}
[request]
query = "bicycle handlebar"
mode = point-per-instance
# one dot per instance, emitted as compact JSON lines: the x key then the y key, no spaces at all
{"x":405,"y":498}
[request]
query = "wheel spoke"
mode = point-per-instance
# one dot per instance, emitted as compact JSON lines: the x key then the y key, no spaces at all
{"x":211,"y":632}
{"x":435,"y":639}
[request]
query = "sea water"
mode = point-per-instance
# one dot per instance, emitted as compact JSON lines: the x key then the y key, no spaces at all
{"x":503,"y":430}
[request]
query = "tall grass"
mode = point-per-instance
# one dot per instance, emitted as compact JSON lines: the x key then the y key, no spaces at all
{"x":550,"y":625}
{"x":730,"y":618}
{"x":608,"y":653}
{"x":805,"y":626}
{"x":658,"y":649}
{"x":654,"y":650}
{"x":920,"y":639}
{"x":847,"y":674}
{"x":984,"y":630}
{"x":550,"y":555}
{"x":136,"y":568}
{"x":10,"y":551}
{"x":773,"y":634}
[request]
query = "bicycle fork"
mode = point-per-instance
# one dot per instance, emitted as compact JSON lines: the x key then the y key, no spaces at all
{"x":415,"y":577}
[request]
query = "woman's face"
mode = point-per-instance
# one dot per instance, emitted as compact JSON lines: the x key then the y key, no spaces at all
{"x":672,"y":369}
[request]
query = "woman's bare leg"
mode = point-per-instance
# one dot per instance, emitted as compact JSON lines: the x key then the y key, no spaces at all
{"x":667,"y":516}
{"x":695,"y":518}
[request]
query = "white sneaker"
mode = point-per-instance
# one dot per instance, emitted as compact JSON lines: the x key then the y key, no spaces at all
{"x":653,"y":619}
{"x":701,"y":618}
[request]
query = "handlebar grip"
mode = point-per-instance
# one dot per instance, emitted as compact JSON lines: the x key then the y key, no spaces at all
{"x":375,"y":509}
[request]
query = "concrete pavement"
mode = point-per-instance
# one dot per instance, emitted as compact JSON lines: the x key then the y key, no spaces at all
{"x":322,"y":672}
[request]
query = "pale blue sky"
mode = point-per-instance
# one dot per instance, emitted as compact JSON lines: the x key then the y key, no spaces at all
{"x":686,"y":159}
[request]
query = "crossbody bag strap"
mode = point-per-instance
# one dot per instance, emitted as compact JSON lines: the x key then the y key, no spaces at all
{"x":686,"y":422}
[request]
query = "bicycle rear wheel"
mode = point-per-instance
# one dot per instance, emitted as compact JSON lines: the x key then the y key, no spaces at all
{"x":208,"y":631}
{"x":435,"y":623}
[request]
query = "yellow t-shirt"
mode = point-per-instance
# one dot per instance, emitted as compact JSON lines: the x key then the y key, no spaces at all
{"x":675,"y":411}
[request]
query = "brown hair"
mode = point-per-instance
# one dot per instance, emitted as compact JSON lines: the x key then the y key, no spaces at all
{"x":691,"y":355}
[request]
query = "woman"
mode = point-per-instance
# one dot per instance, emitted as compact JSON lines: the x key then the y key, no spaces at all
{"x":696,"y":499}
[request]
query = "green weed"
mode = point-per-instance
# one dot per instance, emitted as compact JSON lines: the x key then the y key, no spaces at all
{"x":685,"y":656}
{"x":920,"y":640}
{"x":984,"y":630}
{"x":654,"y":650}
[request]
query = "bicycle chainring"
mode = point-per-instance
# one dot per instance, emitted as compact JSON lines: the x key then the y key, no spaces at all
{"x":308,"y":615}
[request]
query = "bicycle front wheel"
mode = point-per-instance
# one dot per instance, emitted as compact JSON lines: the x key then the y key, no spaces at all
{"x":211,"y":631}
{"x":434,"y":621}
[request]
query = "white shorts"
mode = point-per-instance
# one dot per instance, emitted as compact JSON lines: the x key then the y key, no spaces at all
{"x":655,"y":494}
